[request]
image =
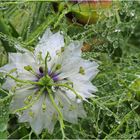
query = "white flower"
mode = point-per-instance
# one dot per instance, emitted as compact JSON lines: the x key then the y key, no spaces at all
{"x":50,"y":83}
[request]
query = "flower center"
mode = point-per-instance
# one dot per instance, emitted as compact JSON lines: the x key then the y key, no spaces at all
{"x":46,"y":81}
{"x":52,"y":75}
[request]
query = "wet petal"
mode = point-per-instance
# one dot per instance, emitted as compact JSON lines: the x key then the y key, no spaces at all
{"x":51,"y":43}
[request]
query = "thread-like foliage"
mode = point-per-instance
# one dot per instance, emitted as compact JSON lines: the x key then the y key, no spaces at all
{"x":112,"y":41}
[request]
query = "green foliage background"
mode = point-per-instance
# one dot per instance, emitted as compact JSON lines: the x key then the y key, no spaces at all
{"x":114,"y":113}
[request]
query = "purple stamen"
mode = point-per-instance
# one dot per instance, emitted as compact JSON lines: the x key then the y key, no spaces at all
{"x":55,"y":77}
{"x":49,"y":72}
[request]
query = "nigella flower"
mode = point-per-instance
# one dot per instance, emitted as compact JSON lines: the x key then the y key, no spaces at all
{"x":50,"y":83}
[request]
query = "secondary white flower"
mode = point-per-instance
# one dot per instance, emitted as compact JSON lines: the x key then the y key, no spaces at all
{"x":50,"y":83}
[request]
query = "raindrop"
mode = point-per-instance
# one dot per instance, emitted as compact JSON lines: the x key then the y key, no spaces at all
{"x":131,"y":105}
{"x":109,"y":113}
{"x":118,"y":122}
{"x":99,"y":133}
{"x":111,"y":126}
{"x":28,"y":27}
{"x":108,"y":24}
{"x":135,"y":135}
{"x":132,"y":13}
{"x":129,"y":122}
{"x":118,"y":30}
{"x":115,"y":44}
{"x":3,"y":8}
{"x":105,"y":45}
{"x":19,"y":38}
{"x":109,"y":38}
{"x":104,"y":34}
{"x":39,"y":38}
{"x":37,"y":23}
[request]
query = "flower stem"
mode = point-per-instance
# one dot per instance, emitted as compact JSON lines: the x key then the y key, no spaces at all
{"x":22,"y":81}
{"x":118,"y":17}
{"x":46,"y":65}
{"x":4,"y":91}
{"x":59,"y":112}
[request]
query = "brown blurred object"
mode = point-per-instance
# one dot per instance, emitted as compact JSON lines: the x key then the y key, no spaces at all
{"x":96,"y":41}
{"x":86,"y":47}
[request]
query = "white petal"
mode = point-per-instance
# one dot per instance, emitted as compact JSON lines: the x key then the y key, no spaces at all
{"x":73,"y":49}
{"x":27,"y":76}
{"x":70,"y":94}
{"x":70,"y":115}
{"x":7,"y":68}
{"x":72,"y":66}
{"x":43,"y":119}
{"x":21,"y":60}
{"x":36,"y":120}
{"x":71,"y":109}
{"x":40,"y":119}
{"x":71,"y":58}
{"x":19,"y":97}
{"x":84,"y":89}
{"x":48,"y":116}
{"x":24,"y":117}
{"x":81,"y":111}
{"x":51,"y":43}
{"x":8,"y":84}
{"x":62,"y":96}
{"x":90,"y":67}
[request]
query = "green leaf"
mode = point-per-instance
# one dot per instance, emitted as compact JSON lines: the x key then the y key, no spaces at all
{"x":3,"y":135}
{"x":3,"y":56}
{"x":5,"y":29}
{"x":4,"y":115}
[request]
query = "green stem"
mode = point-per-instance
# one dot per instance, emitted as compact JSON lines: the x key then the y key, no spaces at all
{"x":22,"y":81}
{"x":29,"y":69}
{"x":4,"y":91}
{"x":59,"y":112}
{"x":118,"y":17}
{"x":64,"y":12}
{"x":66,"y":86}
{"x":46,"y":65}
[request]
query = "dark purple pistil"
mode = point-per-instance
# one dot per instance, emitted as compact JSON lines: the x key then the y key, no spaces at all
{"x":41,"y":70}
{"x":53,"y":75}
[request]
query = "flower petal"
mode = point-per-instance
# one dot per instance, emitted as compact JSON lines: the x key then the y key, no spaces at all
{"x":70,"y":109}
{"x":49,"y":43}
{"x":21,"y":60}
{"x":72,"y":67}
{"x":7,"y":68}
{"x":9,"y":83}
{"x":38,"y":118}
{"x":73,"y":49}
{"x":20,"y":95}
